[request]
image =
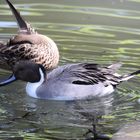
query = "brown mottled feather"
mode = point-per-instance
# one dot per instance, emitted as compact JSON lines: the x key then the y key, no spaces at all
{"x":40,"y":49}
{"x":28,"y":45}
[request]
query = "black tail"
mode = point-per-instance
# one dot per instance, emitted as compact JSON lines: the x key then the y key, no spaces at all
{"x":129,"y":76}
{"x":21,"y":22}
{"x":135,"y":73}
{"x":23,"y":25}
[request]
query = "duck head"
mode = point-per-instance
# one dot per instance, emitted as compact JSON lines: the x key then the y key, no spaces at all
{"x":26,"y":71}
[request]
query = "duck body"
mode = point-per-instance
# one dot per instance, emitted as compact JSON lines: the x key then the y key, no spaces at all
{"x":28,"y":44}
{"x":61,"y":90}
{"x":68,"y":82}
{"x":34,"y":47}
{"x":60,"y":84}
{"x":76,"y":81}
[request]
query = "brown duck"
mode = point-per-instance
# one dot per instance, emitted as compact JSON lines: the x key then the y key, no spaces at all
{"x":28,"y":45}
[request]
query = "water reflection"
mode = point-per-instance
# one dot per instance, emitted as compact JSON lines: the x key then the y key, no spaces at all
{"x":62,"y":118}
{"x":129,"y":131}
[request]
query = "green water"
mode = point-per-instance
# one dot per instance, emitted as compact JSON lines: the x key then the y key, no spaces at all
{"x":99,"y":31}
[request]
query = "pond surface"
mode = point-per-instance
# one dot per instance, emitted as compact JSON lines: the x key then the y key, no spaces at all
{"x":99,"y":31}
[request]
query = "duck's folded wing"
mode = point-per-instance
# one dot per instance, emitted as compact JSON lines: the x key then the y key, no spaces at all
{"x":14,"y":53}
{"x":89,"y":74}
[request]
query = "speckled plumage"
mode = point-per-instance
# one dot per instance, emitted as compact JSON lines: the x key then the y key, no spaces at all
{"x":28,"y":45}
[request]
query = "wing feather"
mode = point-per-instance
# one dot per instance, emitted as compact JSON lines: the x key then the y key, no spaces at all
{"x":87,"y":74}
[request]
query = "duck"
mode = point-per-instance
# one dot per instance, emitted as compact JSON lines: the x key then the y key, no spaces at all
{"x":28,"y":44}
{"x":68,"y":82}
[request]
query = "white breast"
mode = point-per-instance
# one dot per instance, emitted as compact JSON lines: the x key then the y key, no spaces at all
{"x":32,"y":87}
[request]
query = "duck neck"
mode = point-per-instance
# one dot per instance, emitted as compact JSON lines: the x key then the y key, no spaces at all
{"x":32,"y":87}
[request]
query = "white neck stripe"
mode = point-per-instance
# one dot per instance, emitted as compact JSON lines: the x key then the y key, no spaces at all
{"x":32,"y":87}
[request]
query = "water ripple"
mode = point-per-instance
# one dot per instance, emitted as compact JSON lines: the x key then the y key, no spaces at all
{"x":86,"y":31}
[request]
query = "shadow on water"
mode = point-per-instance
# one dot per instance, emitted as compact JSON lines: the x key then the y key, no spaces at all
{"x":85,"y":31}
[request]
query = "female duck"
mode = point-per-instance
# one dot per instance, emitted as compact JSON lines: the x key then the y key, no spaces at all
{"x":69,"y":82}
{"x":28,"y":45}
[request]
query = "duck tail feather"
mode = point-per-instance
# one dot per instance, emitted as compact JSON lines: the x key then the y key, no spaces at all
{"x":115,"y":66}
{"x":129,"y":76}
{"x":21,"y":22}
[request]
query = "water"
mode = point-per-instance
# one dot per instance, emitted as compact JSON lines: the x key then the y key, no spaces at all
{"x":85,"y":31}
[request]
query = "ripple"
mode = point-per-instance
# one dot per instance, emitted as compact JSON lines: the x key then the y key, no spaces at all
{"x":120,"y":13}
{"x":93,"y":31}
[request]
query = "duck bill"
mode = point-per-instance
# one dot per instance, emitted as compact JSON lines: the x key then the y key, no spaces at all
{"x":11,"y":79}
{"x":21,"y":22}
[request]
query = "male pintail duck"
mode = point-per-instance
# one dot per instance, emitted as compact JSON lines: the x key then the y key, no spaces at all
{"x":68,"y":82}
{"x":28,"y":45}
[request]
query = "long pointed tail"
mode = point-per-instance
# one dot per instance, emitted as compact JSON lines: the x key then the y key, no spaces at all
{"x":23,"y":25}
{"x":129,"y":76}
